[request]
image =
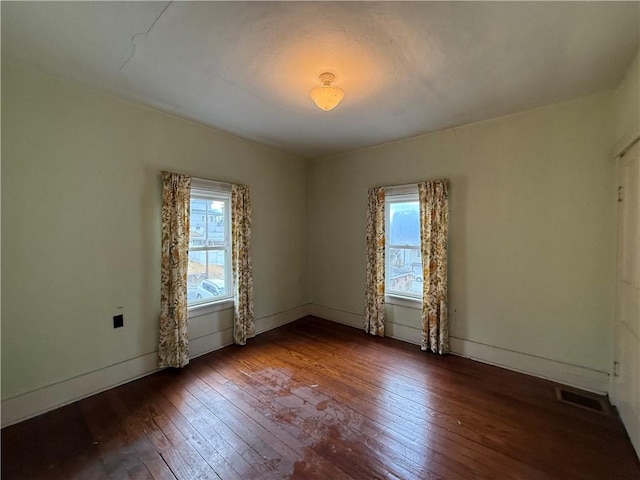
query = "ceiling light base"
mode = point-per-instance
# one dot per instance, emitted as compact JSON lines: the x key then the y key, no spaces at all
{"x":327,"y":78}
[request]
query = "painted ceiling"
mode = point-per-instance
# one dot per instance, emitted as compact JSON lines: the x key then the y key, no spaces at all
{"x":407,"y":68}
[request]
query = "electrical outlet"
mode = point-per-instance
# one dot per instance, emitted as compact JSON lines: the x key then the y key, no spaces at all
{"x":118,"y":321}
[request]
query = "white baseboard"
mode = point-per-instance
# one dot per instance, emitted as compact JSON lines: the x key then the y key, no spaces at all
{"x":41,"y":400}
{"x":222,"y":338}
{"x":35,"y":402}
{"x":208,"y":343}
{"x":391,"y":330}
{"x":276,"y":320}
{"x":335,"y":315}
{"x":567,"y":374}
{"x":404,"y":333}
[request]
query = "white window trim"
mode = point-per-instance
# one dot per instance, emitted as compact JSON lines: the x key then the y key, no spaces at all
{"x":401,"y":190}
{"x":409,"y":302}
{"x":395,"y":194}
{"x":201,"y":309}
{"x":205,"y":185}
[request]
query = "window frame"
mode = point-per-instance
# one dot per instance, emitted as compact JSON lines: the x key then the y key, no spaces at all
{"x":214,"y":191}
{"x":398,"y":195}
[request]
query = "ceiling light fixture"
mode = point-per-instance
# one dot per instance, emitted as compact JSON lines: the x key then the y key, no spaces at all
{"x":325,"y":96}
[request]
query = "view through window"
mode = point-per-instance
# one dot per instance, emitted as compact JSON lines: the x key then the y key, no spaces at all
{"x":403,"y":275}
{"x":209,"y":273}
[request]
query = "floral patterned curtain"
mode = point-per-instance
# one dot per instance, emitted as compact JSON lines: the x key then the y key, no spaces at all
{"x":434,"y":224}
{"x":173,"y":350}
{"x":374,"y":307}
{"x":244,"y":322}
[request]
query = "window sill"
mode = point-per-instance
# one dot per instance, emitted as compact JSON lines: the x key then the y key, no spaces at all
{"x":403,"y":301}
{"x":207,"y":308}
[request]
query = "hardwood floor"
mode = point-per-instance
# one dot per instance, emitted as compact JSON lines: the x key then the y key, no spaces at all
{"x":318,"y":400}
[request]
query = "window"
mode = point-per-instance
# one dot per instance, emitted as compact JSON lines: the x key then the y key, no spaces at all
{"x":403,"y":269}
{"x":209,"y":272}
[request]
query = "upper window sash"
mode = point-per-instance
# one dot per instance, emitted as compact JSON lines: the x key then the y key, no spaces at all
{"x":403,"y":197}
{"x":226,"y":201}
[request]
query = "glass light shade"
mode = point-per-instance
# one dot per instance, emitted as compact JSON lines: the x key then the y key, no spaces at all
{"x":327,"y":97}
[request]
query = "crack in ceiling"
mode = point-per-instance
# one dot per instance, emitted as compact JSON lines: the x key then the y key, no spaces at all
{"x":136,"y":35}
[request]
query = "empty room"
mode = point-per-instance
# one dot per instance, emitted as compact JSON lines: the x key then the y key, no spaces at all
{"x":320,"y":240}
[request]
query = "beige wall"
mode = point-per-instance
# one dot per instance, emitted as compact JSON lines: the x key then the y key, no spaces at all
{"x":531,"y":228}
{"x":531,"y":234}
{"x":81,"y":200}
{"x":627,"y":106}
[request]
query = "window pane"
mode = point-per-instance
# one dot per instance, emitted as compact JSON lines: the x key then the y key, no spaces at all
{"x":205,"y":277}
{"x":216,"y":215}
{"x":207,"y":224}
{"x":405,"y":271}
{"x":404,"y":223}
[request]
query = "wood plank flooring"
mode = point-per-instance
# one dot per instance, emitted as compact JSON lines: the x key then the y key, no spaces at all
{"x":319,"y":400}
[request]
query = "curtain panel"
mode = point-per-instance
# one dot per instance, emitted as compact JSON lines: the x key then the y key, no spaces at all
{"x":173,"y":349}
{"x":244,"y":321}
{"x":434,"y":224}
{"x":374,"y":306}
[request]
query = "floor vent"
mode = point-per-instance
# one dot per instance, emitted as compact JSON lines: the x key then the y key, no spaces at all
{"x":582,"y":399}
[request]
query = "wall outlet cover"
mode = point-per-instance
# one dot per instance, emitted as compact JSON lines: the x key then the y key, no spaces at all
{"x":118,"y":321}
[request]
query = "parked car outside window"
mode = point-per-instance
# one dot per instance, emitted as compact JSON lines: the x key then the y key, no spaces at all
{"x":210,"y":288}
